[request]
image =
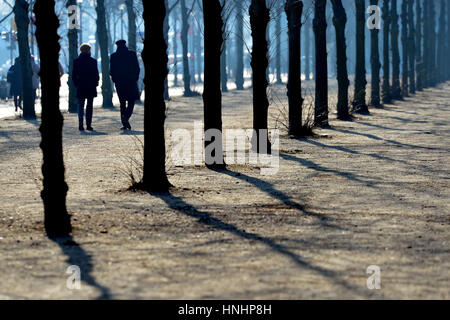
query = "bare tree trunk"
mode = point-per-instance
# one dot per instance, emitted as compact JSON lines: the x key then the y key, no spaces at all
{"x":339,"y":21}
{"x":22,"y":23}
{"x":396,"y":90}
{"x":131,"y":25}
{"x":375,"y":99}
{"x":432,"y":44}
{"x":278,"y":47}
{"x":212,"y":96}
{"x":57,"y":220}
{"x":442,"y":44}
{"x":387,"y":96}
{"x":73,"y":53}
{"x":223,"y":68}
{"x":359,"y":102}
{"x":419,"y":39}
{"x":184,"y":43}
{"x":239,"y":46}
{"x":448,"y":43}
{"x":294,"y":10}
{"x":321,"y":74}
{"x":405,"y":49}
{"x":411,"y":47}
{"x":175,"y":50}
{"x":426,"y":44}
{"x":107,"y":91}
{"x":307,"y":29}
{"x":155,"y":61}
{"x":259,"y":20}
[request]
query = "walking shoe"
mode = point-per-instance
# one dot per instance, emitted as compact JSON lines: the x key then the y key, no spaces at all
{"x":90,"y":128}
{"x":128,"y":125}
{"x":81,"y":128}
{"x":123,"y":128}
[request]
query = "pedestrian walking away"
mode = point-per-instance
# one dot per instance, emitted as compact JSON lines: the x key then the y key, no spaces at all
{"x":86,"y":78}
{"x":14,"y":77}
{"x":124,"y":70}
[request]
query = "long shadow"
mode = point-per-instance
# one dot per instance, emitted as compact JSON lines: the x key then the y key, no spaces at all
{"x":78,"y":257}
{"x":312,"y":165}
{"x":371,"y":136}
{"x":279,"y":195}
{"x":178,"y":204}
{"x":347,"y":150}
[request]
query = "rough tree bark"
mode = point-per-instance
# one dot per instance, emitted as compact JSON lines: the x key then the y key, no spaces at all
{"x":441,"y":70}
{"x":359,"y":102}
{"x":411,"y":47}
{"x":73,"y":53}
{"x":419,"y":39}
{"x":212,"y":96}
{"x":405,"y":49}
{"x":131,"y":25}
{"x":375,"y":98}
{"x":259,"y":20}
{"x":321,"y":73}
{"x":107,"y":91}
{"x":155,"y":62}
{"x":386,"y":61}
{"x":185,"y":12}
{"x":396,"y":90}
{"x":57,"y":220}
{"x":339,"y":22}
{"x":22,"y":22}
{"x":307,"y":29}
{"x":223,"y":68}
{"x":432,"y":44}
{"x":278,"y":47}
{"x":294,"y":10}
{"x":426,"y":45}
{"x":239,"y":46}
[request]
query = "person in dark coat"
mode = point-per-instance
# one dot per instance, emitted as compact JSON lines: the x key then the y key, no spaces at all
{"x":14,"y":77}
{"x":124,"y":70}
{"x":85,"y":78}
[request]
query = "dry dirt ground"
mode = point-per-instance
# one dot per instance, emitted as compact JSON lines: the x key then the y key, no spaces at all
{"x":374,"y":191}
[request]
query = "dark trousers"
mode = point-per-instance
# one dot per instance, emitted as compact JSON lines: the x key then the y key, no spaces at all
{"x":89,"y":110}
{"x":126,"y":112}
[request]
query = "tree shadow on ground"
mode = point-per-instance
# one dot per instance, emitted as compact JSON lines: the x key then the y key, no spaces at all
{"x":374,"y":137}
{"x":77,"y":256}
{"x":312,"y":165}
{"x":178,"y":204}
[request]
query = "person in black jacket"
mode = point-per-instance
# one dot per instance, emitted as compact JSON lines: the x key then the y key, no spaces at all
{"x":14,"y":77}
{"x":124,"y":70}
{"x":85,"y":78}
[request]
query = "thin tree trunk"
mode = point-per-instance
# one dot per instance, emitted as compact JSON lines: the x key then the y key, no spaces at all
{"x":131,"y":25}
{"x":396,"y":89}
{"x":387,"y":97}
{"x":73,"y":53}
{"x":432,"y":45}
{"x":107,"y":91}
{"x":57,"y":220}
{"x":426,"y":45}
{"x":448,"y":43}
{"x":22,"y":23}
{"x":405,"y":49}
{"x":223,"y":68}
{"x":155,"y":61}
{"x":375,"y":99}
{"x":184,"y":43}
{"x":359,"y":102}
{"x":321,"y":74}
{"x":212,"y":96}
{"x":278,"y":47}
{"x":294,"y":10}
{"x":340,"y":21}
{"x":442,"y":44}
{"x":259,"y":20}
{"x":307,"y":29}
{"x":175,"y":50}
{"x":239,"y":46}
{"x":411,"y":47}
{"x":419,"y":39}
